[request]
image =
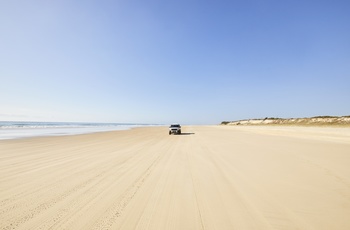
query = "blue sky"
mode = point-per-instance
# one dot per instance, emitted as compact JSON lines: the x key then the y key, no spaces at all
{"x":192,"y":62}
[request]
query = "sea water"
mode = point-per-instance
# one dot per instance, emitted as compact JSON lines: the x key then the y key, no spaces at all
{"x":23,"y":129}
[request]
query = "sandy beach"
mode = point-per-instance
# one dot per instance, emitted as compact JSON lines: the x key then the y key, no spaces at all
{"x":211,"y":177}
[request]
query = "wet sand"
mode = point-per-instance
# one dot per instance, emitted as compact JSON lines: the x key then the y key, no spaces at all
{"x":211,"y":177}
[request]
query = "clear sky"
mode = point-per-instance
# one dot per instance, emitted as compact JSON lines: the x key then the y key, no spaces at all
{"x":192,"y":62}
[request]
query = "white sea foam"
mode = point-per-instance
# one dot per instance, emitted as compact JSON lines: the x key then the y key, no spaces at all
{"x":14,"y":130}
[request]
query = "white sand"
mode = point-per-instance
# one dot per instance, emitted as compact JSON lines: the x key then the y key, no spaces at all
{"x":220,"y":177}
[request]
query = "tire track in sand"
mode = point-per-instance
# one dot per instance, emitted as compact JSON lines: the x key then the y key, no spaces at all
{"x":79,"y":201}
{"x":116,"y":210}
{"x":57,"y":195}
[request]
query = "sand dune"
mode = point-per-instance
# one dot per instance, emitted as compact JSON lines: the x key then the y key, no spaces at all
{"x":214,"y":177}
{"x":307,"y":121}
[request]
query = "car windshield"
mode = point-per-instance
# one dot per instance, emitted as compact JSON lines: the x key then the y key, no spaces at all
{"x":175,"y":126}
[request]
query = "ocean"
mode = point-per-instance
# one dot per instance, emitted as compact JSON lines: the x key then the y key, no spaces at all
{"x":24,"y":129}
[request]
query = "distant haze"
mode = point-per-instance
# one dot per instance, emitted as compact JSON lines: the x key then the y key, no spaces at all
{"x":188,"y":62}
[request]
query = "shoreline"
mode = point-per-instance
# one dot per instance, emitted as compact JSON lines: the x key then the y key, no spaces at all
{"x":22,"y":133}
